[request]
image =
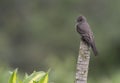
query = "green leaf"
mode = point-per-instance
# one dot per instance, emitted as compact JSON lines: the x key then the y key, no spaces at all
{"x":13,"y":77}
{"x":44,"y":79}
{"x":26,"y":76}
{"x":35,"y":82}
{"x":19,"y":81}
{"x":34,"y":77}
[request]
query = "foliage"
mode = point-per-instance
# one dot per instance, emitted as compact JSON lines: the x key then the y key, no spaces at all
{"x":35,"y":77}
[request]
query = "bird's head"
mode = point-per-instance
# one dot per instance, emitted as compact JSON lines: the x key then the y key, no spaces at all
{"x":81,"y":19}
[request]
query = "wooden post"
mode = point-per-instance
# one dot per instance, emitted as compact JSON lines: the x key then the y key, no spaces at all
{"x":82,"y":63}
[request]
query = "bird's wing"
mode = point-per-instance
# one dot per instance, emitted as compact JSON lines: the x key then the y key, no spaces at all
{"x":79,"y":30}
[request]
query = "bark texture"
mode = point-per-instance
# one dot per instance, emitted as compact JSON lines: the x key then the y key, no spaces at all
{"x":82,"y":63}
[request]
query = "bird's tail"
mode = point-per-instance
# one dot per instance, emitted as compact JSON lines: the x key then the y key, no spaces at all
{"x":94,"y":48}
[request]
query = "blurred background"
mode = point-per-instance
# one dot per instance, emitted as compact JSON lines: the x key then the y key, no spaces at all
{"x":40,"y":34}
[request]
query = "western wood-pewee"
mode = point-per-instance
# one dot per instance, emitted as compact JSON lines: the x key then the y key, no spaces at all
{"x":84,"y":30}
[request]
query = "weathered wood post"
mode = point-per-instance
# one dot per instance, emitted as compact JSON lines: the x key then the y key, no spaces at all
{"x":82,"y":63}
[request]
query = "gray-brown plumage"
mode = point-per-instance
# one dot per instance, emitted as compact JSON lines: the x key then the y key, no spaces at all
{"x":84,"y":30}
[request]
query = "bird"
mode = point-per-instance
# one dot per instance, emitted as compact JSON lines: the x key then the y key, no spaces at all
{"x":83,"y":28}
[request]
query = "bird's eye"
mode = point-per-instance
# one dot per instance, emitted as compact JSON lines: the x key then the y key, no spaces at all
{"x":80,"y":19}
